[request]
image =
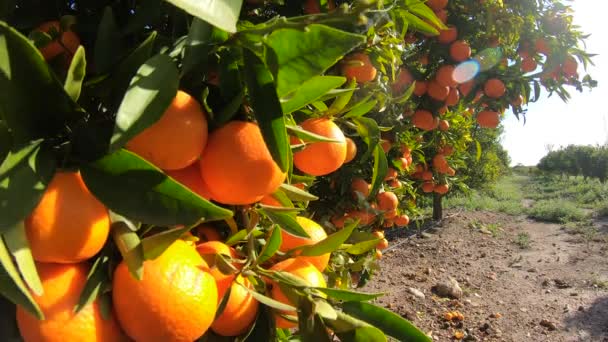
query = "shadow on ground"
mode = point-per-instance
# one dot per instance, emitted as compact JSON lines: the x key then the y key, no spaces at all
{"x":591,"y":323}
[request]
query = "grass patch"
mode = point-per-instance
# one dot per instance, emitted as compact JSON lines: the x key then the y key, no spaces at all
{"x":560,"y":211}
{"x":504,"y":197}
{"x":523,"y":240}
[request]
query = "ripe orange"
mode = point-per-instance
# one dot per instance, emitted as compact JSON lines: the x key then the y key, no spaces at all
{"x":232,"y":148}
{"x":321,"y":158}
{"x":460,"y":51}
{"x":403,"y":163}
{"x":395,"y":184}
{"x":352,"y":68}
{"x":175,"y":301}
{"x":437,"y":91}
{"x":386,"y":145}
{"x":448,"y":36}
{"x":351,"y":150}
{"x":382,"y":244}
{"x":402,"y":220}
{"x":388,"y":223}
{"x":241,"y":309}
{"x":270,"y":200}
{"x":466,"y":87}
{"x":387,"y":201}
{"x":426,"y":175}
{"x":453,"y":97}
{"x":528,"y":64}
{"x":542,"y":46}
{"x":177,"y":139}
{"x":428,"y":186}
{"x":442,"y":14}
{"x":441,"y":189}
{"x":445,"y":76}
{"x":378,"y":254}
{"x":361,"y":186}
{"x":207,"y":233}
{"x":191,"y":178}
{"x":364,"y":217}
{"x":424,"y":59}
{"x":391,"y":174}
{"x":378,"y":234}
{"x":488,"y":119}
{"x":210,"y":249}
{"x":494,"y":88}
{"x":451,"y":172}
{"x":447,"y":150}
{"x":437,"y":5}
{"x":316,"y":233}
{"x":312,"y":7}
{"x":570,"y":66}
{"x":423,"y":119}
{"x":444,"y":125}
{"x":518,"y":101}
{"x":301,"y":269}
{"x":67,"y":42}
{"x":420,"y":88}
{"x":403,"y":81}
{"x":69,"y":224}
{"x":62,"y":285}
{"x":439,"y":161}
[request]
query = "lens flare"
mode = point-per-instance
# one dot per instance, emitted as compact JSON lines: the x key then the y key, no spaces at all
{"x":483,"y":61}
{"x":466,"y":71}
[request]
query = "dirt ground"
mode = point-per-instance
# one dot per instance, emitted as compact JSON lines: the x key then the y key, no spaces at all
{"x":555,"y":289}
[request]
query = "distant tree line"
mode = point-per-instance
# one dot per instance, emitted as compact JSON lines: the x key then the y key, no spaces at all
{"x":573,"y":160}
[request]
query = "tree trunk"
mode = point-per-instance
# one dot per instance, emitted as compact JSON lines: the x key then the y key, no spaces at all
{"x":437,"y":208}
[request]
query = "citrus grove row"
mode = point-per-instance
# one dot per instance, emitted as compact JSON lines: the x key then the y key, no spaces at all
{"x":187,"y":170}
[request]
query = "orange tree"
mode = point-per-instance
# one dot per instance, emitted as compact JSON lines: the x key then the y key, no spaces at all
{"x":225,"y":170}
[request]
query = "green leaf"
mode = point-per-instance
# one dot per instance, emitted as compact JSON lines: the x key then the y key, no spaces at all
{"x":287,"y":222}
{"x":229,"y":110}
{"x":348,"y":328}
{"x":419,"y":24}
{"x":5,"y":141}
{"x":268,"y":301}
{"x":370,"y":133}
{"x":308,"y":136}
{"x":131,"y":186}
{"x":296,"y":194}
{"x":478,"y":153}
{"x":196,"y":48}
{"x":425,"y":12}
{"x":267,"y":108}
{"x":150,"y":93}
{"x":238,"y":236}
{"x":361,"y":109}
{"x":17,"y":243}
{"x":348,"y":296}
{"x":12,"y":286}
{"x":263,"y":329}
{"x":341,"y":101}
{"x":155,"y":245}
{"x":310,"y":91}
{"x":380,"y":170}
{"x":325,"y":310}
{"x":304,"y":54}
{"x":389,"y":322}
{"x":97,"y":282}
{"x":362,"y":247}
{"x":76,"y":74}
{"x":330,"y":243}
{"x":24,"y":175}
{"x":221,"y":13}
{"x":130,"y":248}
{"x":272,"y":245}
{"x":310,"y":325}
{"x":24,"y":73}
{"x":108,"y":43}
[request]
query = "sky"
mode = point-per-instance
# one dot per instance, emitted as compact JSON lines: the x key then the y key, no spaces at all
{"x":581,"y":121}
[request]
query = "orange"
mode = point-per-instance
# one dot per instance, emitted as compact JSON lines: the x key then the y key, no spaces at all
{"x":439,"y":161}
{"x":364,"y":217}
{"x":460,"y":51}
{"x":361,"y":186}
{"x":420,"y":88}
{"x":402,"y":220}
{"x":444,"y":125}
{"x":494,"y":88}
{"x":528,"y":64}
{"x":321,"y":158}
{"x":62,"y":285}
{"x":424,"y":59}
{"x":177,"y":139}
{"x":427,"y":175}
{"x":386,"y":145}
{"x":210,"y":249}
{"x":445,"y":76}
{"x":378,"y":234}
{"x":388,"y":223}
{"x":175,"y":301}
{"x":447,"y":150}
{"x":448,"y":36}
{"x":378,"y":254}
{"x":241,"y":309}
{"x":301,"y":269}
{"x":232,"y":149}
{"x":359,"y":67}
{"x":518,"y":101}
{"x":451,"y":171}
{"x":351,"y":150}
{"x":437,"y":91}
{"x":441,"y":189}
{"x":395,"y":184}
{"x":382,"y":244}
{"x":387,"y":201}
{"x":69,"y":224}
{"x":270,"y":200}
{"x":488,"y":119}
{"x":191,"y":178}
{"x":570,"y":66}
{"x":437,"y":5}
{"x":316,"y":234}
{"x":207,"y":233}
{"x":542,"y":46}
{"x":423,"y":119}
{"x":402,"y":163}
{"x":403,"y":81}
{"x":442,"y":14}
{"x":453,"y":97}
{"x":428,"y":186}
{"x":391,"y":174}
{"x":466,"y":87}
{"x":66,"y":42}
{"x":312,"y":7}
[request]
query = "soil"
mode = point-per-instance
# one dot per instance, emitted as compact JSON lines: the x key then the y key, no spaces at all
{"x":553,"y":288}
